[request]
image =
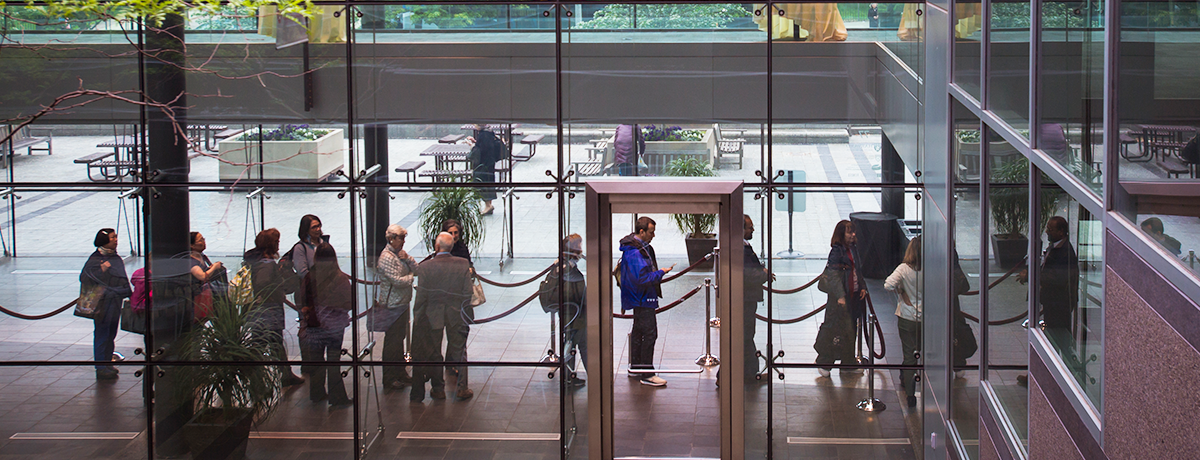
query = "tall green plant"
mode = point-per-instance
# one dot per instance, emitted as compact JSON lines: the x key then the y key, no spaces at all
{"x":692,"y":225}
{"x":230,"y":335}
{"x":1010,"y":205}
{"x":458,"y":203}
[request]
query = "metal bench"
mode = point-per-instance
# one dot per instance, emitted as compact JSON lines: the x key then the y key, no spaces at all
{"x":447,"y":175}
{"x":24,"y":140}
{"x":410,"y":170}
{"x":110,"y":170}
{"x":451,"y":138}
{"x":532,"y":141}
{"x":587,"y":168}
{"x":226,"y":134}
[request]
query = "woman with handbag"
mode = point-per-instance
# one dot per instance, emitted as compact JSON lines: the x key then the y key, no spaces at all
{"x":844,"y":306}
{"x":271,"y":282}
{"x":905,"y":281}
{"x":205,"y":273}
{"x":390,"y":313}
{"x":326,"y":292}
{"x":103,"y":287}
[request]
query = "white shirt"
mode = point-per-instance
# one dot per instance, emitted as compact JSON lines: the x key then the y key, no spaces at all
{"x":905,"y":279}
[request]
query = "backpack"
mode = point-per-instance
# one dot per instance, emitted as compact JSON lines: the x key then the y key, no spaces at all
{"x":548,"y":292}
{"x":241,"y":291}
{"x":1191,"y":152}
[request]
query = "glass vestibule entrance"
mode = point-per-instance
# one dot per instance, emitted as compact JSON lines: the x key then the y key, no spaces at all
{"x":604,"y":199}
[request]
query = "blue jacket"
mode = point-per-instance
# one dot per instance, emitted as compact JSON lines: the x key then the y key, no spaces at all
{"x":641,"y":281}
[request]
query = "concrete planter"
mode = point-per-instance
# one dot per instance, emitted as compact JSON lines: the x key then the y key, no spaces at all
{"x":659,"y":153}
{"x":301,"y":160}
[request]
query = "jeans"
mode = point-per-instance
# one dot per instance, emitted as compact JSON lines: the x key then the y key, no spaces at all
{"x":910,"y":345}
{"x":393,"y":350}
{"x":642,"y":338}
{"x":326,"y":344}
{"x":107,"y":324}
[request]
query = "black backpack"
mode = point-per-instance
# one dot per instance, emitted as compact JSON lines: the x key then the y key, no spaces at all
{"x":1191,"y":152}
{"x":548,"y":292}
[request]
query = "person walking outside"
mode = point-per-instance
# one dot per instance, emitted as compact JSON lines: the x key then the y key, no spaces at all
{"x":641,"y":287}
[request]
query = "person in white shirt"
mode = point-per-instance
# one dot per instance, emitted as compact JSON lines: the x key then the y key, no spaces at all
{"x":905,"y":281}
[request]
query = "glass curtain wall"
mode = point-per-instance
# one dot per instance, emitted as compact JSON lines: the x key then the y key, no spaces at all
{"x":289,"y":197}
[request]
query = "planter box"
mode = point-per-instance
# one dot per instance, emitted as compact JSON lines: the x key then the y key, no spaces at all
{"x":659,"y":153}
{"x":305,"y":160}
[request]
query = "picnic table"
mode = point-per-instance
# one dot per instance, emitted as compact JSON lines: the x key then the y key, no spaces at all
{"x":446,"y":155}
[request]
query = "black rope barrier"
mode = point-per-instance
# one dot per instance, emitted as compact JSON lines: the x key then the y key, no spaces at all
{"x":1001,"y":279}
{"x":37,"y":317}
{"x":509,"y":312}
{"x":878,"y":332}
{"x":688,"y":269}
{"x":793,"y":320}
{"x":793,"y":291}
{"x":999,"y":322}
{"x":512,"y":285}
{"x":665,"y":307}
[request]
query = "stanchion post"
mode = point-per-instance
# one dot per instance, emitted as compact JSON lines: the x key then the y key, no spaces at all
{"x":871,"y":404}
{"x":707,"y":359}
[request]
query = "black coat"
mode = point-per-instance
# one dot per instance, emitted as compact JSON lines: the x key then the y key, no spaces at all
{"x":114,"y":280}
{"x":1059,"y":289}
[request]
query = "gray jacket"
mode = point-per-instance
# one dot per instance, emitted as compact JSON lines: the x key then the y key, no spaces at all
{"x":443,"y":291}
{"x":396,"y":271}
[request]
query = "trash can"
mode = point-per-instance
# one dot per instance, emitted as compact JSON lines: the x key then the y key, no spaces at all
{"x":880,"y":243}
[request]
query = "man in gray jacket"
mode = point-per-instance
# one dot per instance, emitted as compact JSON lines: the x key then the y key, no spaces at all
{"x":443,"y":293}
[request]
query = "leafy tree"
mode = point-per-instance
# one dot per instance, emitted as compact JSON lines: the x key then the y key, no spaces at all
{"x":670,"y":16}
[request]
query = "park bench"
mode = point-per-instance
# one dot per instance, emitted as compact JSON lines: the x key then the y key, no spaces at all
{"x":110,"y":170}
{"x":410,"y":170}
{"x":24,"y":140}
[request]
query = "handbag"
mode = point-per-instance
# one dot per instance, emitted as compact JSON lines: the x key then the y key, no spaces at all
{"x":203,"y":304}
{"x":823,"y":284}
{"x":88,"y":305}
{"x":831,"y":342}
{"x":477,"y":297}
{"x":380,"y":318}
{"x":132,"y":320}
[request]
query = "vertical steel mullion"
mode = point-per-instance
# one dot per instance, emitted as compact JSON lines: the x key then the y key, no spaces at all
{"x":1112,"y":126}
{"x":559,"y":10}
{"x":348,"y":15}
{"x":767,"y":176}
{"x":1035,"y":71}
{"x":985,"y":57}
{"x":1034,"y":263}
{"x":985,"y":204}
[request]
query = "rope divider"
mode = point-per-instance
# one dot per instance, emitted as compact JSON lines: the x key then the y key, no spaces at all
{"x":793,"y":291}
{"x":512,"y":285}
{"x":1001,"y":279}
{"x":878,"y":330}
{"x":37,"y":317}
{"x":793,"y":320}
{"x":999,"y":322}
{"x":666,"y":307}
{"x":689,"y":268}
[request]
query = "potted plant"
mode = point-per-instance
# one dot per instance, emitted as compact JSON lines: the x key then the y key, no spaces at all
{"x":697,"y":228}
{"x":288,"y":152}
{"x":1010,"y":210}
{"x":458,"y":203}
{"x":227,"y":399}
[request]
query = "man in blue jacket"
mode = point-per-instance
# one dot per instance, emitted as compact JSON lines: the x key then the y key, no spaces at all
{"x":641,"y":286}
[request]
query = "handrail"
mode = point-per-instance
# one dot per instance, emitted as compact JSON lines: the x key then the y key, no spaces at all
{"x":666,"y":307}
{"x":1002,"y":278}
{"x":42,"y":316}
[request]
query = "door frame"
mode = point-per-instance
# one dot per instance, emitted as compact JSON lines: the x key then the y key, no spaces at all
{"x":608,"y":195}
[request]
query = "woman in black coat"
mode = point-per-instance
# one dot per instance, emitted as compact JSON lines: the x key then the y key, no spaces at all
{"x":844,"y":307}
{"x":105,"y":268}
{"x":486,"y":150}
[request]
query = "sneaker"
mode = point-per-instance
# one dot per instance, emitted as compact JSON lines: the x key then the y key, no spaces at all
{"x":488,"y":210}
{"x":576,"y":382}
{"x":823,"y":372}
{"x":655,"y":381}
{"x":464,"y":394}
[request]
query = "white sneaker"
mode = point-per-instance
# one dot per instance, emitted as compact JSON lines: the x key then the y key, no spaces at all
{"x":655,"y":381}
{"x":960,"y":374}
{"x":824,"y":372}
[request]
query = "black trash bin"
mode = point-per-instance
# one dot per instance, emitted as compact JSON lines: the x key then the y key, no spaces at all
{"x":881,"y":243}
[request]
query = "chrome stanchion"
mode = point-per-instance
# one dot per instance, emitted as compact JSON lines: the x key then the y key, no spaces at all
{"x":871,"y":404}
{"x":551,"y":357}
{"x":707,"y":359}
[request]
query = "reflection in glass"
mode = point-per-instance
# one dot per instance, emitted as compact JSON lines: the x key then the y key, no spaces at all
{"x":968,"y":38}
{"x":1071,"y":106}
{"x":1070,"y":288}
{"x":1008,"y":78}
